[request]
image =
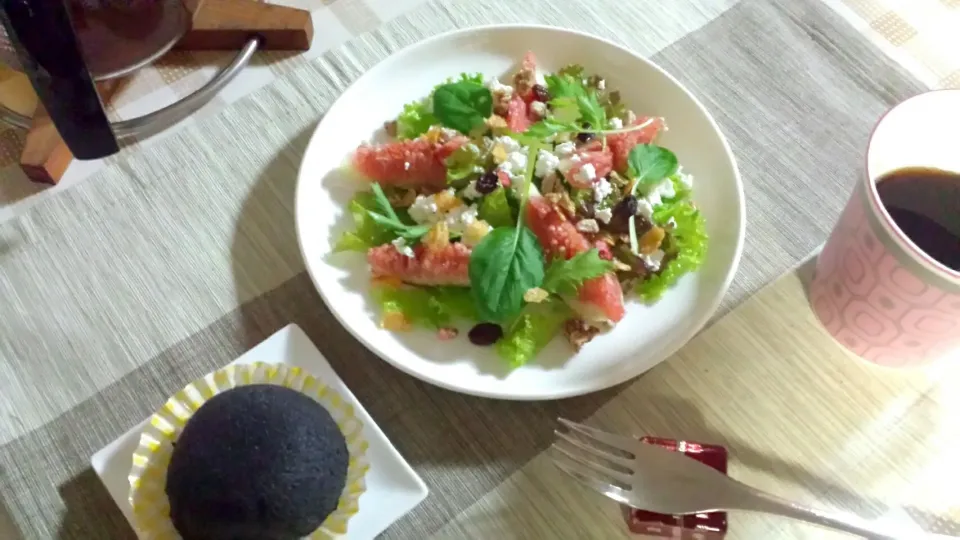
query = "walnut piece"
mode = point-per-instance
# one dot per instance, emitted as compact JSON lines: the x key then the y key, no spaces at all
{"x":579,"y":333}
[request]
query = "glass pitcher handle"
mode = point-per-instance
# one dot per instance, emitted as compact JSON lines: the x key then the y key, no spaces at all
{"x":43,"y":36}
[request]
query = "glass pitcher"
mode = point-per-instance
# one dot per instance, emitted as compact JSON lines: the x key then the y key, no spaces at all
{"x":64,"y":46}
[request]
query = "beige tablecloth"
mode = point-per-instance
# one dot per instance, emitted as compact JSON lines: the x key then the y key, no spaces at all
{"x":141,"y":272}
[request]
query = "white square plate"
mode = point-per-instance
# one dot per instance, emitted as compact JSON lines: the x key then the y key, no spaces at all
{"x":393,"y":487}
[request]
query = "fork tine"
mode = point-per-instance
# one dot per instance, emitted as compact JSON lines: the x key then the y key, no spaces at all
{"x":597,"y":468}
{"x":614,"y":441}
{"x":618,"y":494}
{"x":620,"y":461}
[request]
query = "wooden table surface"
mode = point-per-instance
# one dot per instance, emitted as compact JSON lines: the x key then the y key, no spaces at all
{"x":801,"y":417}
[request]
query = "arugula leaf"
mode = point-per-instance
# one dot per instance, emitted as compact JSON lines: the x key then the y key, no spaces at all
{"x":385,"y":216}
{"x":568,"y":91}
{"x":564,"y":86}
{"x":503,"y":266}
{"x":367,"y":233}
{"x":462,"y":105}
{"x":383,"y":204}
{"x":548,"y":127}
{"x":564,"y":276}
{"x":573,"y":70}
{"x":591,"y":111}
{"x":649,"y":163}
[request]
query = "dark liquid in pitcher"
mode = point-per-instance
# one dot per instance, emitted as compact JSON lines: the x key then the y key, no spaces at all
{"x":925,"y":204}
{"x":118,"y":34}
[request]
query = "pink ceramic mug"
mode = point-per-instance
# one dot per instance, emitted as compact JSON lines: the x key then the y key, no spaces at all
{"x":874,"y":290}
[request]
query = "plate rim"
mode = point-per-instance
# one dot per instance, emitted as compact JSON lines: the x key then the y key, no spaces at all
{"x":629,"y":374}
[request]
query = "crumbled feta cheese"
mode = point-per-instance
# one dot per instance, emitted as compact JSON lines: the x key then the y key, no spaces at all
{"x":516,"y":163}
{"x":661,"y":190}
{"x":644,"y":209}
{"x":459,"y":217}
{"x":588,"y":226}
{"x":406,"y":165}
{"x":469,"y":215}
{"x":539,"y":108}
{"x":546,"y":163}
{"x":616,"y":123}
{"x":401,"y":245}
{"x":565,"y":149}
{"x":508,"y":143}
{"x":604,"y":215}
{"x":495,"y":85}
{"x":447,"y":133}
{"x":685,"y":178}
{"x":653,"y":260}
{"x":567,"y":163}
{"x":424,"y":210}
{"x":601,"y":190}
{"x":601,"y":84}
{"x":470,"y":192}
{"x":587,"y":174}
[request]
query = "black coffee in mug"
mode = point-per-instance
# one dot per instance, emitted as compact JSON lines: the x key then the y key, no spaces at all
{"x":925,"y":205}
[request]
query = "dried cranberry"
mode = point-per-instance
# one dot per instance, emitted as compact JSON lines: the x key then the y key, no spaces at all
{"x":485,"y":334}
{"x":540,"y":92}
{"x":488,"y":183}
{"x":626,"y":207}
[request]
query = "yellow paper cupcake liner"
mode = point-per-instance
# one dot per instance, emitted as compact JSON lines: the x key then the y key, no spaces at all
{"x":148,"y":475}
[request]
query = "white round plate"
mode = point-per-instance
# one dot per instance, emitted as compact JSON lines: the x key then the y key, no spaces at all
{"x":646,"y":336}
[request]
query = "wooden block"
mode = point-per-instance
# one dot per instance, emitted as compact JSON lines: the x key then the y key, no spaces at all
{"x":45,"y":157}
{"x":229,"y":24}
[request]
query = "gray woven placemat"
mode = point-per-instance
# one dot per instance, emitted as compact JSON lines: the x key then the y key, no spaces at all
{"x":175,"y":260}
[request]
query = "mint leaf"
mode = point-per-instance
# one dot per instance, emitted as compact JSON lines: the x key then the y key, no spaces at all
{"x":507,"y":262}
{"x":565,"y":276}
{"x":649,"y":163}
{"x":503,"y":266}
{"x":462,"y":105}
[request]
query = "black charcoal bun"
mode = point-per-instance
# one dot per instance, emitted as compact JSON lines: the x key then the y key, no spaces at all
{"x":257,"y":462}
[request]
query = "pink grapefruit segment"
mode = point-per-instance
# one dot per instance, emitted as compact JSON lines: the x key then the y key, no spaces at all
{"x":622,"y":143}
{"x":443,"y":266}
{"x":414,"y":163}
{"x":602,"y":161}
{"x":518,"y":118}
{"x":599,"y":298}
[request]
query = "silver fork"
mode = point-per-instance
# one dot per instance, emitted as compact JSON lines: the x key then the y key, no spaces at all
{"x":658,"y":480}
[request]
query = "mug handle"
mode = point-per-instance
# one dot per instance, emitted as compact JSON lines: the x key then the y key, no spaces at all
{"x":49,"y":53}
